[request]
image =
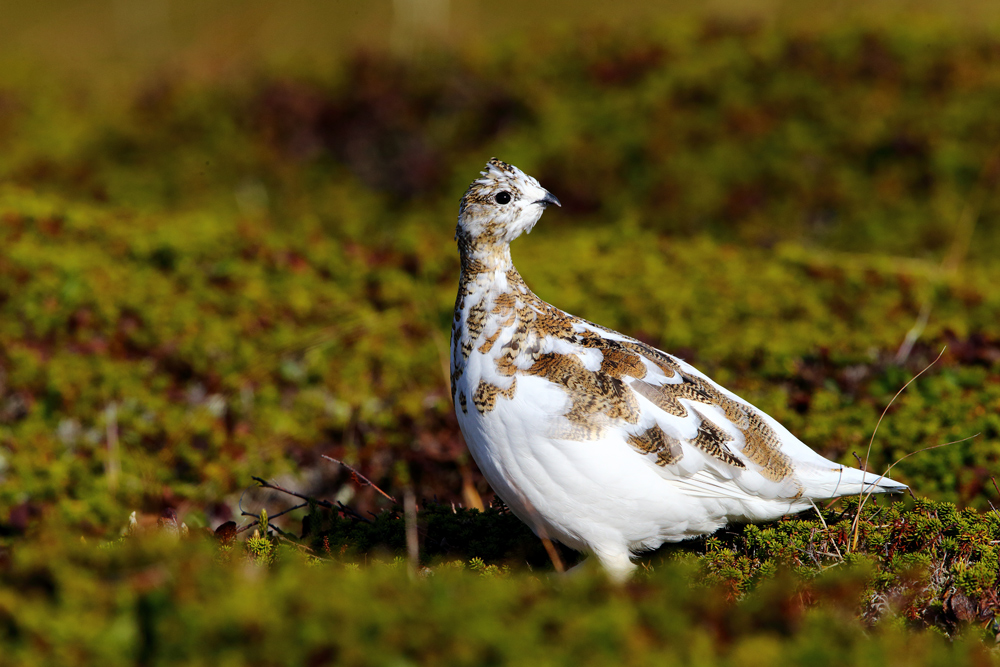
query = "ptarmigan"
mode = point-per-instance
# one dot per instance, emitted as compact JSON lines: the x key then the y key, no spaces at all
{"x":593,"y":438}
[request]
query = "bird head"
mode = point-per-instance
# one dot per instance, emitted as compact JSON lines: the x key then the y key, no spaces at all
{"x":500,"y":205}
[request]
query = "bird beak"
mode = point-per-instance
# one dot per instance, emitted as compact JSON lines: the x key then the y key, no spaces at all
{"x":549,"y":198}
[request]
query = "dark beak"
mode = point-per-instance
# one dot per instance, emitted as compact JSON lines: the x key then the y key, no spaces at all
{"x":549,"y":198}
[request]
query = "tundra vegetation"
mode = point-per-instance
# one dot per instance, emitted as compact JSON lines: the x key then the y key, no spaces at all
{"x":214,"y":276}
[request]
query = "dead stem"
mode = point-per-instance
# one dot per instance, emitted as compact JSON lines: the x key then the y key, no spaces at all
{"x":997,"y":489}
{"x":361,"y":479}
{"x":864,"y":467}
{"x":864,"y":497}
{"x":410,"y":520}
{"x":326,"y":504}
{"x":826,"y":529}
{"x":886,"y":410}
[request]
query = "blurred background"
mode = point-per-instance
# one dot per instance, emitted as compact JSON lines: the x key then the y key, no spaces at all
{"x":79,"y":35}
{"x":226,"y":231}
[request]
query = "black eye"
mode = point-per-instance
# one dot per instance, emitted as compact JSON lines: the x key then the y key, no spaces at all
{"x":503,"y":197}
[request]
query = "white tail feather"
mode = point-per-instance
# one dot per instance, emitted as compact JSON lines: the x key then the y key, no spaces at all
{"x":847,"y":482}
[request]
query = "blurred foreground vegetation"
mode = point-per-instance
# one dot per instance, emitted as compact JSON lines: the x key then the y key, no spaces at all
{"x":154,"y":599}
{"x":210,"y":277}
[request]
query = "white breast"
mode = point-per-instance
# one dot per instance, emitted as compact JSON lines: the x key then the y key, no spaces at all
{"x":581,"y":493}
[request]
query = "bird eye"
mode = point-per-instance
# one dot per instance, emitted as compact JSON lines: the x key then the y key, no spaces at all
{"x":503,"y":197}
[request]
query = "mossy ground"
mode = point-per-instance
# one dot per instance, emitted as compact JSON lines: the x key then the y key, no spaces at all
{"x":206,"y":278}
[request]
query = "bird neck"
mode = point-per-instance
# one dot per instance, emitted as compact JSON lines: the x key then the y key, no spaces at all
{"x":483,"y":256}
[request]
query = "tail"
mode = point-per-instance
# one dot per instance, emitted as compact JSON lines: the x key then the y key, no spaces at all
{"x":844,"y":481}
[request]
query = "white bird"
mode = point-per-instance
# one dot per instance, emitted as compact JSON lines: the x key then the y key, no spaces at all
{"x":593,"y":438}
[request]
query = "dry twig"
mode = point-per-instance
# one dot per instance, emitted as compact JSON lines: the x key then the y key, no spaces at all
{"x":886,"y":410}
{"x":864,"y":498}
{"x":361,"y":479}
{"x":412,"y":543}
{"x":856,"y":525}
{"x":326,"y":504}
{"x":997,"y":489}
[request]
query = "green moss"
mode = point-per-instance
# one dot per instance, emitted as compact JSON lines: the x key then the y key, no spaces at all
{"x":175,"y":603}
{"x":203,"y":280}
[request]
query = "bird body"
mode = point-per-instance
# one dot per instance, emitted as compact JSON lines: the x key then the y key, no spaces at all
{"x":596,"y":439}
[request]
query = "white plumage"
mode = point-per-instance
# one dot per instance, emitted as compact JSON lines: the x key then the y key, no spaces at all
{"x":593,"y":438}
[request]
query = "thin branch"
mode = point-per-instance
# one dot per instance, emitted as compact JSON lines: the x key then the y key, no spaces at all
{"x":268,"y":485}
{"x":360,"y":478}
{"x":298,"y":545}
{"x":826,"y":528}
{"x":283,"y":512}
{"x":865,"y":496}
{"x":113,"y":465}
{"x":279,"y":533}
{"x":410,"y":526}
{"x":906,"y":456}
{"x":886,"y":410}
{"x":325,"y":504}
{"x":257,"y":516}
{"x":250,"y":525}
{"x":819,"y":514}
{"x":855,"y":527}
{"x":351,"y":512}
{"x":994,"y":480}
{"x":913,"y":335}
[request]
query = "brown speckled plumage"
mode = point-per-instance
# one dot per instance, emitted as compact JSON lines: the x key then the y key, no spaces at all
{"x":486,"y":394}
{"x":654,"y":441}
{"x":598,"y":398}
{"x":602,"y":441}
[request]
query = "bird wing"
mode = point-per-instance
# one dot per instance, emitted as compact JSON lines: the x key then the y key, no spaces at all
{"x":694,"y":430}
